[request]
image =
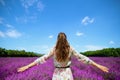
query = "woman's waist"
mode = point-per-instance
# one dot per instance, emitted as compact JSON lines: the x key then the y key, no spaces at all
{"x":62,"y":67}
{"x":62,"y":64}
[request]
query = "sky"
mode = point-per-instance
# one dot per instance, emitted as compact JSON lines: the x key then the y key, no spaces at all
{"x":33,"y":25}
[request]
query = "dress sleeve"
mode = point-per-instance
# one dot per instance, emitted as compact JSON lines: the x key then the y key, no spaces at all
{"x":81,"y":57}
{"x":43,"y":59}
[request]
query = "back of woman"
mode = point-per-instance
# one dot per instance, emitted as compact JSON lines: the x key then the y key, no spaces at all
{"x":62,"y":56}
{"x":61,"y":50}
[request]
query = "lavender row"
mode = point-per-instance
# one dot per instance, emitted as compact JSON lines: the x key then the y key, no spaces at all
{"x":8,"y":69}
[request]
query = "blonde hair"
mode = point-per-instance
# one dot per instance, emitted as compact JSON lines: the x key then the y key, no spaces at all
{"x":62,"y":47}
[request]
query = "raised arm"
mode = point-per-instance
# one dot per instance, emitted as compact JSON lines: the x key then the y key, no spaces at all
{"x":39,"y":60}
{"x":21,"y":69}
{"x":101,"y":67}
{"x":87,"y":60}
{"x":81,"y":57}
{"x":43,"y":59}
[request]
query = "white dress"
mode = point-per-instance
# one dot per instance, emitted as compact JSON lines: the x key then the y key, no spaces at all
{"x":63,"y":73}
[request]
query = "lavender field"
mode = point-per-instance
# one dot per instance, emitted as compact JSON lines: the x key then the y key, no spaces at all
{"x":8,"y":69}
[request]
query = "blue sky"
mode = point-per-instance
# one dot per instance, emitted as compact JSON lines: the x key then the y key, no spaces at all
{"x":33,"y":25}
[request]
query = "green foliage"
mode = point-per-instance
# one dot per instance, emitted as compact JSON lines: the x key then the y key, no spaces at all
{"x":17,"y":53}
{"x":107,"y":52}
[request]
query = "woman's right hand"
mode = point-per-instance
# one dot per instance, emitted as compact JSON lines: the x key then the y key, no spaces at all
{"x":21,"y":69}
{"x":103,"y":68}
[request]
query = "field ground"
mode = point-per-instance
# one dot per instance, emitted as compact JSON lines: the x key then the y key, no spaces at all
{"x":9,"y":65}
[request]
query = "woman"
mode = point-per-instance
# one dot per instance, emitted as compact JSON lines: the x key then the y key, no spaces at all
{"x":61,"y":54}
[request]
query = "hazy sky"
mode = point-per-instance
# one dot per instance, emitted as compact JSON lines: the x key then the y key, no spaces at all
{"x":33,"y":25}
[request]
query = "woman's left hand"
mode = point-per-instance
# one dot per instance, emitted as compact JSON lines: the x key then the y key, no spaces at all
{"x":22,"y":69}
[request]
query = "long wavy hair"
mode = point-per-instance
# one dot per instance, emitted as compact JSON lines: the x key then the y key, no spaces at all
{"x":62,"y":47}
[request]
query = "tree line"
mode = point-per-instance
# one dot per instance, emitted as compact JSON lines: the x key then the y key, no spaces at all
{"x":106,"y":52}
{"x":17,"y":53}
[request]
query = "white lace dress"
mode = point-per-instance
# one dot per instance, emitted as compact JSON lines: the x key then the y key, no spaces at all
{"x":63,"y":73}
